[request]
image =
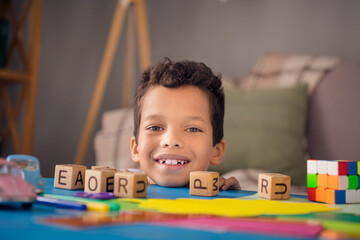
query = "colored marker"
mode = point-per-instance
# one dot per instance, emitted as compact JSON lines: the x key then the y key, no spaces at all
{"x":91,"y":204}
{"x":60,"y":203}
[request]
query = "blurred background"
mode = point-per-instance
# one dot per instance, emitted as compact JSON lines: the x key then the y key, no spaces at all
{"x":229,"y":36}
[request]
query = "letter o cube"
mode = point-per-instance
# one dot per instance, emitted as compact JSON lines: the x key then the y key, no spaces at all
{"x":204,"y":183}
{"x":99,"y":180}
{"x":274,"y":186}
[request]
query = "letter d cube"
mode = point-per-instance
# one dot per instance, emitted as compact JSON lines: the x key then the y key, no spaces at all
{"x":130,"y":184}
{"x":274,"y":186}
{"x":204,"y":183}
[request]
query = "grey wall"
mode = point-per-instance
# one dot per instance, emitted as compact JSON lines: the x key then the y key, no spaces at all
{"x":228,"y":36}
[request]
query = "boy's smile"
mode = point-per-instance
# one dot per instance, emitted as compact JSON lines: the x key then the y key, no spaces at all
{"x":175,"y":135}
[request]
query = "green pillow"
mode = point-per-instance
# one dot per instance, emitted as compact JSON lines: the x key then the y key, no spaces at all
{"x":264,"y":129}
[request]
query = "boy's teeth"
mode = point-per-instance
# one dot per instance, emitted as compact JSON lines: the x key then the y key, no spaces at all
{"x":172,"y":162}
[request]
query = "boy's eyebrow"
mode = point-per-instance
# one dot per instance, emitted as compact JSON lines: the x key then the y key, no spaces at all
{"x":196,"y":118}
{"x":156,"y":116}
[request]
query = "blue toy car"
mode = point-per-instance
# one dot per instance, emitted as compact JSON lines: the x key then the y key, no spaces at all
{"x":31,"y":167}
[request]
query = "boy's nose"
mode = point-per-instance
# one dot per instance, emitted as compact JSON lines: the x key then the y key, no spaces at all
{"x":171,"y":140}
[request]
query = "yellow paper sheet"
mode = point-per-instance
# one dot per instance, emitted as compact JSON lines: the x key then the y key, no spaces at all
{"x":230,"y":207}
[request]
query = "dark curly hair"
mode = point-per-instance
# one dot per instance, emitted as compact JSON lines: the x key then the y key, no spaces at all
{"x":171,"y":74}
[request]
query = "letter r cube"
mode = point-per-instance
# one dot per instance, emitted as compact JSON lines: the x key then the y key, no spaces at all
{"x":204,"y":183}
{"x":274,"y":186}
{"x":130,"y":184}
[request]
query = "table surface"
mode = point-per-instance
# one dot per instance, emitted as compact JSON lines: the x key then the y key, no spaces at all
{"x":25,"y":224}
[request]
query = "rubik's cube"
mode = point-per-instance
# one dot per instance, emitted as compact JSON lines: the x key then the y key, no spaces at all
{"x":334,"y":182}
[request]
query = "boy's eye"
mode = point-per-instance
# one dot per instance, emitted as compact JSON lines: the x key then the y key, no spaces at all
{"x":193,"y":129}
{"x":155,"y":128}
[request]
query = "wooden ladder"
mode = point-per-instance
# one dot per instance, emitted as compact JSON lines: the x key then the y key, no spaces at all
{"x":123,"y":7}
{"x":26,"y":78}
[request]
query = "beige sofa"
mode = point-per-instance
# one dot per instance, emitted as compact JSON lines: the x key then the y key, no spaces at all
{"x":331,"y":128}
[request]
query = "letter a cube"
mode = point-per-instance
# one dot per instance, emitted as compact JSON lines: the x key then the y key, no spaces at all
{"x":130,"y":185}
{"x":69,"y":176}
{"x":99,"y":180}
{"x":274,"y":186}
{"x":204,"y":183}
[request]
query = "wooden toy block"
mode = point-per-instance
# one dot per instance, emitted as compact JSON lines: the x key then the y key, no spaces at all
{"x":335,"y":196}
{"x":69,"y":176}
{"x":353,"y":181}
{"x":358,"y":168}
{"x":353,"y":168}
{"x":337,"y":168}
{"x":99,"y":180}
{"x":320,"y":194}
{"x":312,"y":180}
{"x":312,"y":166}
{"x":204,"y":183}
{"x":274,"y":186}
{"x":322,"y":180}
{"x":358,"y":195}
{"x":103,"y":167}
{"x":130,"y":185}
{"x":351,"y":196}
{"x":322,"y":166}
{"x":338,"y":182}
{"x":311,"y":194}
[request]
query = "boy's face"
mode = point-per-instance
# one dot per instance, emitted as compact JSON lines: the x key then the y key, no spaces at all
{"x":175,"y":135}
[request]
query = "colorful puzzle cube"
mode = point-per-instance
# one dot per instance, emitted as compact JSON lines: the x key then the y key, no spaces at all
{"x":333,"y":181}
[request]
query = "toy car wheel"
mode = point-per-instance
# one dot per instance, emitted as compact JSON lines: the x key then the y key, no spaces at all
{"x":26,"y":205}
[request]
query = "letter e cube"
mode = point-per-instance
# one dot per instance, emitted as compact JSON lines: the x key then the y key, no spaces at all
{"x":69,"y":176}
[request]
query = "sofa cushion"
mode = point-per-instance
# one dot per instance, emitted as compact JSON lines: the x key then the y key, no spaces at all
{"x":334,"y":114}
{"x":264,"y":129}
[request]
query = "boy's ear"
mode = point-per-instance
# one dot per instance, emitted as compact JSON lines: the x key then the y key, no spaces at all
{"x":134,"y":150}
{"x":218,"y":153}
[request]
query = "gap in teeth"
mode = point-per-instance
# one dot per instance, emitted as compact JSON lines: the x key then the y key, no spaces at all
{"x":172,"y":162}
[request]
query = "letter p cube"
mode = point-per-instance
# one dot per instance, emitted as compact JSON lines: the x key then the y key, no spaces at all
{"x":204,"y":183}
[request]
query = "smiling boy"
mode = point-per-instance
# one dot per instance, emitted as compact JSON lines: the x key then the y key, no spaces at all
{"x":178,"y":119}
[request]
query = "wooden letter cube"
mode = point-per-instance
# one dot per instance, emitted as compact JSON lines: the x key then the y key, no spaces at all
{"x":274,"y":186}
{"x":99,"y":180}
{"x":130,"y":185}
{"x":69,"y":176}
{"x":103,"y":168}
{"x":204,"y":183}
